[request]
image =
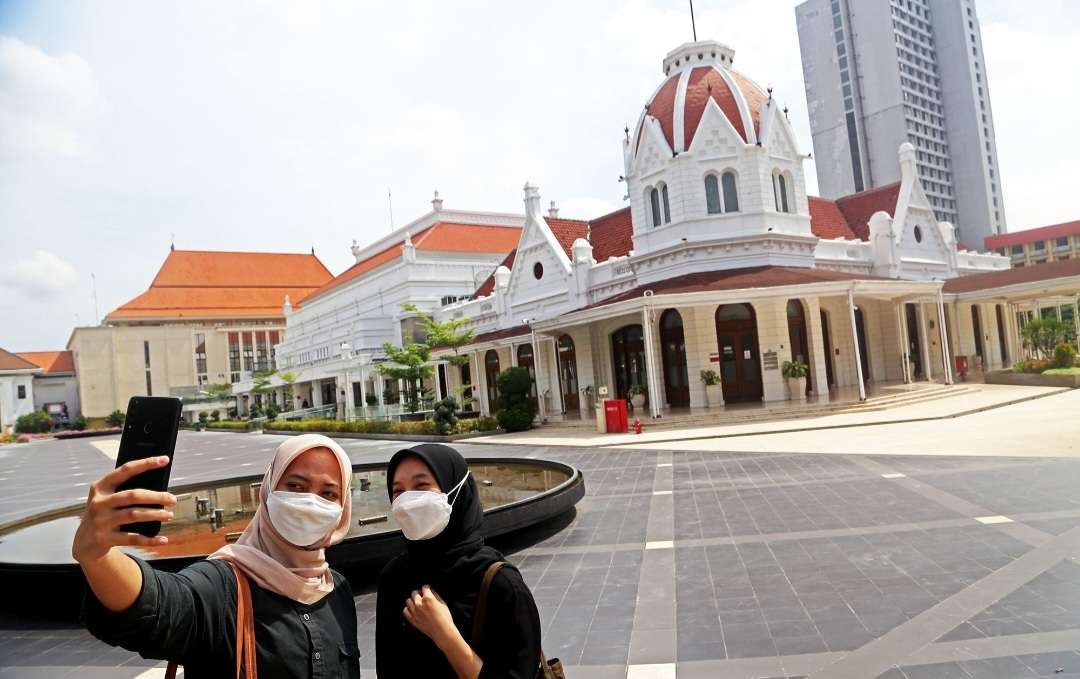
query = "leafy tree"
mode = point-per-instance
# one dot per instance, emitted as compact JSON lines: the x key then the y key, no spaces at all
{"x":289,"y":378}
{"x":1043,"y":334}
{"x":453,"y":334}
{"x":411,"y":363}
{"x":516,"y":409}
{"x":219,"y":389}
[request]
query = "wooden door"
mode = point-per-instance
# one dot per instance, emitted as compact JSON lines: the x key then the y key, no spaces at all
{"x":740,"y":362}
{"x":673,"y":352}
{"x":568,"y":373}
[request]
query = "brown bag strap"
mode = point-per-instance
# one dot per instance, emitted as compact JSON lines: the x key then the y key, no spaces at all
{"x":245,"y":627}
{"x":481,"y":603}
{"x":245,"y":630}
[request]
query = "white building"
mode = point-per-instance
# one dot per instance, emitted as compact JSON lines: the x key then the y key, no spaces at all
{"x":56,"y":388}
{"x":881,"y":73}
{"x":16,"y":389}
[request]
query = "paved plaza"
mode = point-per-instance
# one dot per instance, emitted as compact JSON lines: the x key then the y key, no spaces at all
{"x":704,"y":563}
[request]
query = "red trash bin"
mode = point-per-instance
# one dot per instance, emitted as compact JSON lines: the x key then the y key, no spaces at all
{"x":961,"y":366}
{"x":615,"y":416}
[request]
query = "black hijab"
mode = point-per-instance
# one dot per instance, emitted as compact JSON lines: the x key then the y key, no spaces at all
{"x":457,"y":556}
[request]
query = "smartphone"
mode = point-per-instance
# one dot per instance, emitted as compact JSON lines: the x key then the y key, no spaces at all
{"x":150,"y":429}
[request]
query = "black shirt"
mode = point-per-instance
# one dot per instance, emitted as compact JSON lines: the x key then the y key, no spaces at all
{"x":190,"y":617}
{"x":510,"y":648}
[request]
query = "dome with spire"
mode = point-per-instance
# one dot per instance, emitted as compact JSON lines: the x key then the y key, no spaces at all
{"x":698,"y":72}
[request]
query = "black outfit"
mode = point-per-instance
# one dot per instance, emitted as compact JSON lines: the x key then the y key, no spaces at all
{"x":190,"y":617}
{"x":453,"y":565}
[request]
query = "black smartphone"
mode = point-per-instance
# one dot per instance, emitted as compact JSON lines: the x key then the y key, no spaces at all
{"x":150,"y":429}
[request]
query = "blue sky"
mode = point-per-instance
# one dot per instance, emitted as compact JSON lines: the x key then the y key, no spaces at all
{"x":280,"y":126}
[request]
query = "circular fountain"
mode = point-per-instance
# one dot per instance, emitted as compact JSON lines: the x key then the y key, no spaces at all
{"x":35,"y":554}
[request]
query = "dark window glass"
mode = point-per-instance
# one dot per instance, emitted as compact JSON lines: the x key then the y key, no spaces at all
{"x":654,"y":203}
{"x":731,"y":193}
{"x":667,"y":209}
{"x":712,"y":195}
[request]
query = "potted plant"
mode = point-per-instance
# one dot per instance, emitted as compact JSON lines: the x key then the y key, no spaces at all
{"x":795,"y":374}
{"x":714,"y":392}
{"x":371,"y":399}
{"x":637,"y":394}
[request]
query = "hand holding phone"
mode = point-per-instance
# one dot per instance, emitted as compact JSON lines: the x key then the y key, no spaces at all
{"x":150,"y":429}
{"x":109,"y":511}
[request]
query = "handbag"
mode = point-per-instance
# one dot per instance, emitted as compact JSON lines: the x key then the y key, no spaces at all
{"x":547,"y":669}
{"x":245,"y":630}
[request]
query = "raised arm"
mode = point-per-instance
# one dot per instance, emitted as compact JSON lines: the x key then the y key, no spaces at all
{"x":114,"y":577}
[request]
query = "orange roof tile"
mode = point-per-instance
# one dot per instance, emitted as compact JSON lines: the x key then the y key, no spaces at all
{"x":859,"y":207}
{"x":50,"y":361}
{"x":566,"y":231}
{"x":827,"y":221}
{"x":612,"y":235}
{"x":1006,"y":240}
{"x":1064,"y":268}
{"x":201,"y":284}
{"x":439,"y":237}
{"x":10,"y":361}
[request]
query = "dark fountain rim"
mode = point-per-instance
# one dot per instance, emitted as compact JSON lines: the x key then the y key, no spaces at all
{"x":363,"y":549}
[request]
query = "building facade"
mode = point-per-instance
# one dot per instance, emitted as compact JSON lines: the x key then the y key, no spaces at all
{"x":16,"y":389}
{"x":1038,"y":246}
{"x":56,"y":388}
{"x":207,"y":318}
{"x":882,"y":73}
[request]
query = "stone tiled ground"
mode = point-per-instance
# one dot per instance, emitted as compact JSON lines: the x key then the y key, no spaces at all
{"x":709,"y":564}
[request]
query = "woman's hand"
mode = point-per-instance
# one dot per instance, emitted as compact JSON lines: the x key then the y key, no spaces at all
{"x":107,"y":510}
{"x":426,"y":611}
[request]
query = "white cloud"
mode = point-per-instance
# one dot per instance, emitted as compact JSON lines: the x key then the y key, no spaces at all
{"x":42,"y":275}
{"x":44,"y":100}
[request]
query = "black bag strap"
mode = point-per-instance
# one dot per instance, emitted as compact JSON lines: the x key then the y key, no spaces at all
{"x":481,"y":603}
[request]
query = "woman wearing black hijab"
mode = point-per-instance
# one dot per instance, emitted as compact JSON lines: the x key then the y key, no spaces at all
{"x":428,"y":595}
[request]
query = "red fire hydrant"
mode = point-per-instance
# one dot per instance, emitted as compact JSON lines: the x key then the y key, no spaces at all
{"x":637,"y":426}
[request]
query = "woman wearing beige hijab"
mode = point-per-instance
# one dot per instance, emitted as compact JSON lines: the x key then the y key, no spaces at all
{"x":303,"y":612}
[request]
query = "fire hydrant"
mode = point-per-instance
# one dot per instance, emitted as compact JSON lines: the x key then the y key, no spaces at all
{"x":637,"y":426}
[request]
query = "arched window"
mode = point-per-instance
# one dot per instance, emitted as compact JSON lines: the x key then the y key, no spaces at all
{"x":667,"y":209}
{"x":780,"y":193}
{"x":654,"y":203}
{"x":731,"y":193}
{"x":712,"y":194}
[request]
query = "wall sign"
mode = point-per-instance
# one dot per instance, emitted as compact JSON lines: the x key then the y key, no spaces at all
{"x":770,"y":361}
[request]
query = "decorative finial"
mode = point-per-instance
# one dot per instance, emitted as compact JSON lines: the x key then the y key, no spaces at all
{"x":626,"y":131}
{"x":769,"y":90}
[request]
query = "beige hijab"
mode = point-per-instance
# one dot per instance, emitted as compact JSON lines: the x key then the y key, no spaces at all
{"x":301,"y":574}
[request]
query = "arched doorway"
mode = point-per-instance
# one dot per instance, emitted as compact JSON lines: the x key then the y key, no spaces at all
{"x":860,"y":332}
{"x":568,"y":373}
{"x":800,"y":347}
{"x":525,"y":360}
{"x":826,"y":340}
{"x":491,"y":377}
{"x":673,"y":352}
{"x":740,"y":367}
{"x":628,"y":357}
{"x":976,"y":330}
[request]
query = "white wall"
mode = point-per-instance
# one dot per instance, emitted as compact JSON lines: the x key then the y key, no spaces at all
{"x":11,"y":406}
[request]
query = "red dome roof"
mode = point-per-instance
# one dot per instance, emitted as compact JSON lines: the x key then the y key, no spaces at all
{"x":679,"y":103}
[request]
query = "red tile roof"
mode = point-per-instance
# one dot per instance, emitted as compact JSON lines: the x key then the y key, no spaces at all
{"x":1007,"y":240}
{"x":51,"y":362}
{"x":612,"y":235}
{"x":202,"y":284}
{"x":10,"y":361}
{"x":827,"y":221}
{"x":488,"y":286}
{"x":737,"y":279}
{"x":439,"y":237}
{"x":1064,"y":268}
{"x":566,"y":231}
{"x":505,"y":333}
{"x":662,"y":107}
{"x":859,"y":207}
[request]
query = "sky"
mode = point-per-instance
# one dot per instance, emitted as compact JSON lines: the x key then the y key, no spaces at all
{"x":283,"y":126}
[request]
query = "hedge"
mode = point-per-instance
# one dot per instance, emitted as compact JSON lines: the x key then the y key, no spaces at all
{"x":227,"y":424}
{"x":381,"y":426}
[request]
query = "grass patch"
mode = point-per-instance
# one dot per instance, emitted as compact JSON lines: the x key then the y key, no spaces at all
{"x":1062,"y":371}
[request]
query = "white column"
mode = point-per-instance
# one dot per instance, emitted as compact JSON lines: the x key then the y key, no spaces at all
{"x":650,"y":367}
{"x":538,"y":369}
{"x":438,"y":379}
{"x":350,"y":402}
{"x":944,"y":339}
{"x":1076,"y":320}
{"x":363,"y":388}
{"x":481,"y":382}
{"x":901,"y":330}
{"x":855,"y":341}
{"x":924,"y":337}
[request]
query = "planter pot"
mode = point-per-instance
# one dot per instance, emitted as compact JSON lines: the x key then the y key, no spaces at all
{"x":797,"y":388}
{"x":638,"y":400}
{"x":714,"y":395}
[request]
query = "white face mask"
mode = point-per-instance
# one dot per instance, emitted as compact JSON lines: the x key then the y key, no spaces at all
{"x":423,"y":514}
{"x":302,"y":518}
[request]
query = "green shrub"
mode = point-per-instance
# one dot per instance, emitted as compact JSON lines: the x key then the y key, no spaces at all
{"x":516,"y":409}
{"x":471,"y":424}
{"x":215,"y":415}
{"x":79,"y":423}
{"x":37,"y":422}
{"x":636,"y":390}
{"x":227,"y":424}
{"x":202,"y":417}
{"x":1032,"y":366}
{"x":794,"y":369}
{"x":1064,"y":355}
{"x":357,"y":427}
{"x":115,"y":418}
{"x":272,"y":412}
{"x":709,"y":378}
{"x":445,"y":416}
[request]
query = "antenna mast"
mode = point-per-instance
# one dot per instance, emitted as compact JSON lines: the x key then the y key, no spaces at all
{"x":693,"y":25}
{"x":390,"y":202}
